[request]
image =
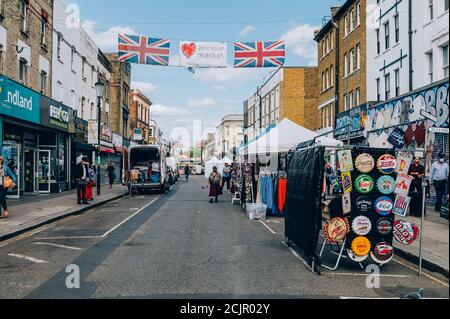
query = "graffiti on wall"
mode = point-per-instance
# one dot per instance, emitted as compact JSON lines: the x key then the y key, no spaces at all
{"x":355,"y":118}
{"x":406,"y":109}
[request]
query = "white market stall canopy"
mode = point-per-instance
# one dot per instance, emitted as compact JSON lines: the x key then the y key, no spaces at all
{"x":285,"y":137}
{"x":210,"y":164}
{"x":226,"y":160}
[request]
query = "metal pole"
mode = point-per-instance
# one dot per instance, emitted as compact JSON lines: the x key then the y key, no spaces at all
{"x":424,"y":198}
{"x":98,"y":150}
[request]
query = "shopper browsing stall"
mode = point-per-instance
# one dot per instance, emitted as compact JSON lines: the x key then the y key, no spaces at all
{"x":417,"y":170}
{"x":439,"y":176}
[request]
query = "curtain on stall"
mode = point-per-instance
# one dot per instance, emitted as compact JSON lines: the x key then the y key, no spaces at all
{"x":303,"y":200}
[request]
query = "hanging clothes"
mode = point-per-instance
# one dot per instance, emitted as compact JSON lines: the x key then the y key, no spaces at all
{"x":266,"y":191}
{"x":282,"y":185}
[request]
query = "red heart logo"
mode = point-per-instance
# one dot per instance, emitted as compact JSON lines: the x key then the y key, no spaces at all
{"x":189,"y":49}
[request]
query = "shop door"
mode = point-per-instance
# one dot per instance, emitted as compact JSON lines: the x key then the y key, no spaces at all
{"x":11,"y":154}
{"x":30,"y":172}
{"x":44,"y":172}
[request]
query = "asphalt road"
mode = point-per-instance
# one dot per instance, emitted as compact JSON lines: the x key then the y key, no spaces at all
{"x":181,"y":246}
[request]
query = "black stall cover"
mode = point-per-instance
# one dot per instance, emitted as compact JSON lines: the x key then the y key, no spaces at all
{"x":303,"y":203}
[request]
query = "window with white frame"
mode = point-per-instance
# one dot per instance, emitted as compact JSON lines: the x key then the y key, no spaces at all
{"x":345,"y":65}
{"x":378,"y":89}
{"x":387,"y":36}
{"x":43,"y":30}
{"x":445,"y":59}
{"x":327,"y":77}
{"x":397,"y":82}
{"x":43,"y":81}
{"x":345,"y":102}
{"x":323,"y":81}
{"x":346,"y":25}
{"x":23,"y":12}
{"x":23,"y":70}
{"x":352,"y":20}
{"x":323,"y":48}
{"x":387,"y":86}
{"x":358,"y":97}
{"x":429,"y":56}
{"x":358,"y":13}
{"x":58,"y":46}
{"x":378,"y":41}
{"x":397,"y":28}
{"x":358,"y":57}
{"x":430,"y":10}
{"x":352,"y":60}
{"x":352,"y":99}
{"x":331,"y":76}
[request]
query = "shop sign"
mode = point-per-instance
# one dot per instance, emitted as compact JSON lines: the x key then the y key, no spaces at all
{"x":18,"y":101}
{"x":81,"y":130}
{"x":355,"y":118}
{"x":138,"y":136}
{"x":93,"y":132}
{"x":106,"y":134}
{"x":117,"y":142}
{"x":54,"y":114}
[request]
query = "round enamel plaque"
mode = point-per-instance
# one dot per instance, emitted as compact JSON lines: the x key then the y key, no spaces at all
{"x":365,"y":163}
{"x":387,"y":164}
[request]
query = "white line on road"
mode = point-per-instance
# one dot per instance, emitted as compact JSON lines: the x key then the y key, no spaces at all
{"x":127,"y":219}
{"x":73,"y":237}
{"x":270,"y":229}
{"x":58,"y":246}
{"x":32,"y":259}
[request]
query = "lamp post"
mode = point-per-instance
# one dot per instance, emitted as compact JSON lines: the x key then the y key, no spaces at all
{"x":100,"y":90}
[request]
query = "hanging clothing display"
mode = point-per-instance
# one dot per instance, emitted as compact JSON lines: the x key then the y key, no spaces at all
{"x":282,"y":184}
{"x":265,"y":191}
{"x":247,"y":185}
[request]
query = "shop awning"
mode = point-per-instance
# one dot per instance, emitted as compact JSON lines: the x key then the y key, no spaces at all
{"x":285,"y":137}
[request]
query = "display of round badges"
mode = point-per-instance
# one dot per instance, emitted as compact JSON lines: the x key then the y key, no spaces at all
{"x":387,"y":164}
{"x":405,"y":232}
{"x":386,"y":185}
{"x":382,"y":253}
{"x":355,"y":258}
{"x":384,"y":226}
{"x":337,"y":229}
{"x":364,"y":184}
{"x":364,"y":204}
{"x":365,"y":163}
{"x":361,"y":246}
{"x":384,"y":206}
{"x":361,"y":225}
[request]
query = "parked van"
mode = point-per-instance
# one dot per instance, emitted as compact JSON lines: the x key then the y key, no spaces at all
{"x":145,"y":168}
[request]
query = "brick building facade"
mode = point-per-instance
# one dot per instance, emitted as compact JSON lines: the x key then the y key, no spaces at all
{"x":26,"y":42}
{"x":119,"y":102}
{"x":140,"y":114}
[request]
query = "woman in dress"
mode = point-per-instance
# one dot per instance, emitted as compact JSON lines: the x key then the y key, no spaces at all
{"x":215,"y":189}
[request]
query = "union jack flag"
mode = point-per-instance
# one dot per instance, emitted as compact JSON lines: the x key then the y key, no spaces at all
{"x":259,"y":54}
{"x":143,"y":50}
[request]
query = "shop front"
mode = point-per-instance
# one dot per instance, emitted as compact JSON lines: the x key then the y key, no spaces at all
{"x":108,"y":153}
{"x":34,"y":139}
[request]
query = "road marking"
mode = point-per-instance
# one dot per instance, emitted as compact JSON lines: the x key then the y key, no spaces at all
{"x":297,"y":255}
{"x":390,"y":298}
{"x":32,"y":259}
{"x":128,"y":218}
{"x":423,"y":273}
{"x":109,"y":231}
{"x":58,"y":246}
{"x":270,"y":229}
{"x":363,"y":275}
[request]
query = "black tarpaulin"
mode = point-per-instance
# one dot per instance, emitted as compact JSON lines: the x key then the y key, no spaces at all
{"x":303,"y":202}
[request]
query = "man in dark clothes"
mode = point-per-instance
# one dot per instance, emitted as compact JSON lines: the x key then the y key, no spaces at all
{"x":417,"y":171}
{"x":81,"y":175}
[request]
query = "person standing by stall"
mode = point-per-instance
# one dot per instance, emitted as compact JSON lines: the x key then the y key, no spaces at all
{"x":110,"y":172}
{"x":226,"y":176}
{"x":7,"y":181}
{"x":90,"y":183}
{"x":417,"y":170}
{"x":215,"y":188}
{"x":439,"y":176}
{"x":328,"y":176}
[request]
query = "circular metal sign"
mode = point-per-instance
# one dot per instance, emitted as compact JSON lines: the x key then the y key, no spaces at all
{"x":364,"y":184}
{"x":361,"y":225}
{"x":384,"y":226}
{"x":382,"y":253}
{"x":387,"y":164}
{"x":365,"y":163}
{"x":337,"y":229}
{"x":405,"y":232}
{"x":386,"y":185}
{"x":384,"y":206}
{"x":361,"y":246}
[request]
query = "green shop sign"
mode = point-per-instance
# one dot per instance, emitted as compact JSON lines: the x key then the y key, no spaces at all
{"x":18,"y":101}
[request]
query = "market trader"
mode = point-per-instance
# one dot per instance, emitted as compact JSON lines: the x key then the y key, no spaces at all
{"x":439,"y":176}
{"x":416,"y":170}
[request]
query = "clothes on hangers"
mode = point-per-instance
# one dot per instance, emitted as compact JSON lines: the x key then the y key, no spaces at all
{"x":282,"y":184}
{"x":266,"y":193}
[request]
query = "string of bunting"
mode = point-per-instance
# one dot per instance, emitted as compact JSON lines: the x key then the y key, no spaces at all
{"x":198,"y":54}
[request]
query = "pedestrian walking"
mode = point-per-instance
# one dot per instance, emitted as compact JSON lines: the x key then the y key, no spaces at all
{"x":7,"y":181}
{"x":439,"y":176}
{"x":111,"y":173}
{"x":187,"y":172}
{"x":417,"y":170}
{"x":81,"y":175}
{"x":215,"y":189}
{"x":90,"y":183}
{"x":226,"y":176}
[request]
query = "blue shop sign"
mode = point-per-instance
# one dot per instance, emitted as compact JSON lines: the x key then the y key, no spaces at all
{"x":18,"y":101}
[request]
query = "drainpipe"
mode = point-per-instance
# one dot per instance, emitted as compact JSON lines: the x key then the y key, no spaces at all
{"x":336,"y":72}
{"x":410,"y":35}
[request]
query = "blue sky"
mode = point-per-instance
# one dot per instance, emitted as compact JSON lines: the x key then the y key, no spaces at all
{"x":180,"y":96}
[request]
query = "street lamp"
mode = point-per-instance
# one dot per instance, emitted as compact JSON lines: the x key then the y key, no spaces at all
{"x":100,"y":90}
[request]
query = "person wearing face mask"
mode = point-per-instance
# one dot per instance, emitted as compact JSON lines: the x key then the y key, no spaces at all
{"x":439,"y":176}
{"x":417,"y":170}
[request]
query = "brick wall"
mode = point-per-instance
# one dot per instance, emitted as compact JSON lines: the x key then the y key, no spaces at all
{"x":32,"y":38}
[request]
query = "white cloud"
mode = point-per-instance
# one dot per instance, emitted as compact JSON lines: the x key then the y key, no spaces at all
{"x":301,"y":41}
{"x":144,"y":87}
{"x":228,"y":75}
{"x":164,"y":110}
{"x":206,"y":102}
{"x":247,"y":30}
{"x":220,"y":87}
{"x":106,"y":40}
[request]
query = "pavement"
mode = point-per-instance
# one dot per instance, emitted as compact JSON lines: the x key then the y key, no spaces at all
{"x":30,"y":212}
{"x":179,"y":246}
